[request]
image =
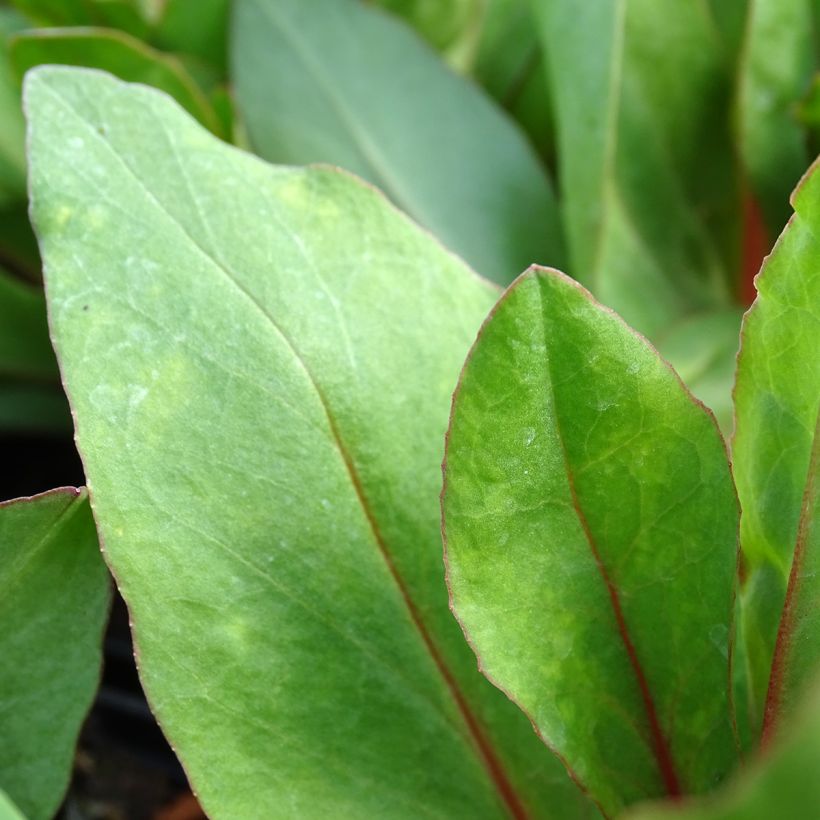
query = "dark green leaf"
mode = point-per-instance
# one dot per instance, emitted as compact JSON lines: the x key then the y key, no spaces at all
{"x":118,"y":53}
{"x":334,"y":81}
{"x":591,"y":538}
{"x":776,"y":65}
{"x":54,"y":594}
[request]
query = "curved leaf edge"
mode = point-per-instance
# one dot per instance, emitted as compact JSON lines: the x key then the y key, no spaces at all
{"x":508,"y":797}
{"x":538,"y":271}
{"x":75,"y":495}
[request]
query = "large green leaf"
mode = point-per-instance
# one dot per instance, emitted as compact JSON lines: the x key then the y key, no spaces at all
{"x":646,"y":165}
{"x":781,"y":783}
{"x":115,"y":52}
{"x":260,"y":361}
{"x":54,"y":594}
{"x":777,"y":395}
{"x":129,"y":15}
{"x":335,"y":81}
{"x":591,"y":538}
{"x":776,"y":66}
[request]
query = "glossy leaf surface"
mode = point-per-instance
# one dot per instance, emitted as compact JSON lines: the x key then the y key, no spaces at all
{"x":54,"y":594}
{"x":335,"y":81}
{"x":119,"y":54}
{"x":646,"y":165}
{"x":777,"y":395}
{"x":261,"y":423}
{"x":591,"y":539}
{"x":781,"y":783}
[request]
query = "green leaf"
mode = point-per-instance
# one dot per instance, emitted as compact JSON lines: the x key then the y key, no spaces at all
{"x":703,"y":350}
{"x":8,"y":811}
{"x":335,"y":81}
{"x":25,"y":349}
{"x":776,"y":66}
{"x":649,"y":191}
{"x":777,"y":394}
{"x":12,"y":127}
{"x":54,"y":595}
{"x":127,"y":15}
{"x":781,"y":783}
{"x":260,"y":361}
{"x":198,"y":29}
{"x":118,"y":53}
{"x":591,"y":538}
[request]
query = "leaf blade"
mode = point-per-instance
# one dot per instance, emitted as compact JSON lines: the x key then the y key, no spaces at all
{"x":605,"y":681}
{"x":385,"y":108}
{"x":50,"y":555}
{"x":232,"y":354}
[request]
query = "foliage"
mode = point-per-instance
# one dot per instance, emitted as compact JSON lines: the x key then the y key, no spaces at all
{"x":260,"y":359}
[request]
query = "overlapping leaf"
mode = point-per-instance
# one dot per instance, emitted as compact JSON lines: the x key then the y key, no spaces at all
{"x":781,"y":783}
{"x":335,"y":81}
{"x":54,"y":595}
{"x":777,"y":396}
{"x":647,"y":175}
{"x":591,"y":537}
{"x":260,"y":361}
{"x":115,"y":52}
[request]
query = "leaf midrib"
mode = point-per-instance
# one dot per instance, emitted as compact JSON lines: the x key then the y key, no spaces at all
{"x":480,"y":744}
{"x":660,"y":745}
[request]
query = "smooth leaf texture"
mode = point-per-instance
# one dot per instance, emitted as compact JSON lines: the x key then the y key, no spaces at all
{"x":122,"y":14}
{"x":119,"y":54}
{"x":649,"y":192}
{"x":334,"y":81}
{"x":781,"y":783}
{"x":591,"y":537}
{"x":260,"y":362}
{"x":777,"y":394}
{"x":54,"y":594}
{"x":776,"y":65}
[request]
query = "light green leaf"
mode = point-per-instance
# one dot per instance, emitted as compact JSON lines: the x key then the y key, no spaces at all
{"x":118,"y":53}
{"x":591,"y":537}
{"x":781,"y":783}
{"x":703,"y":350}
{"x":335,"y":81}
{"x":8,"y":811}
{"x":649,"y":191}
{"x":777,"y":394}
{"x":260,"y":361}
{"x":776,"y":66}
{"x":54,"y":595}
